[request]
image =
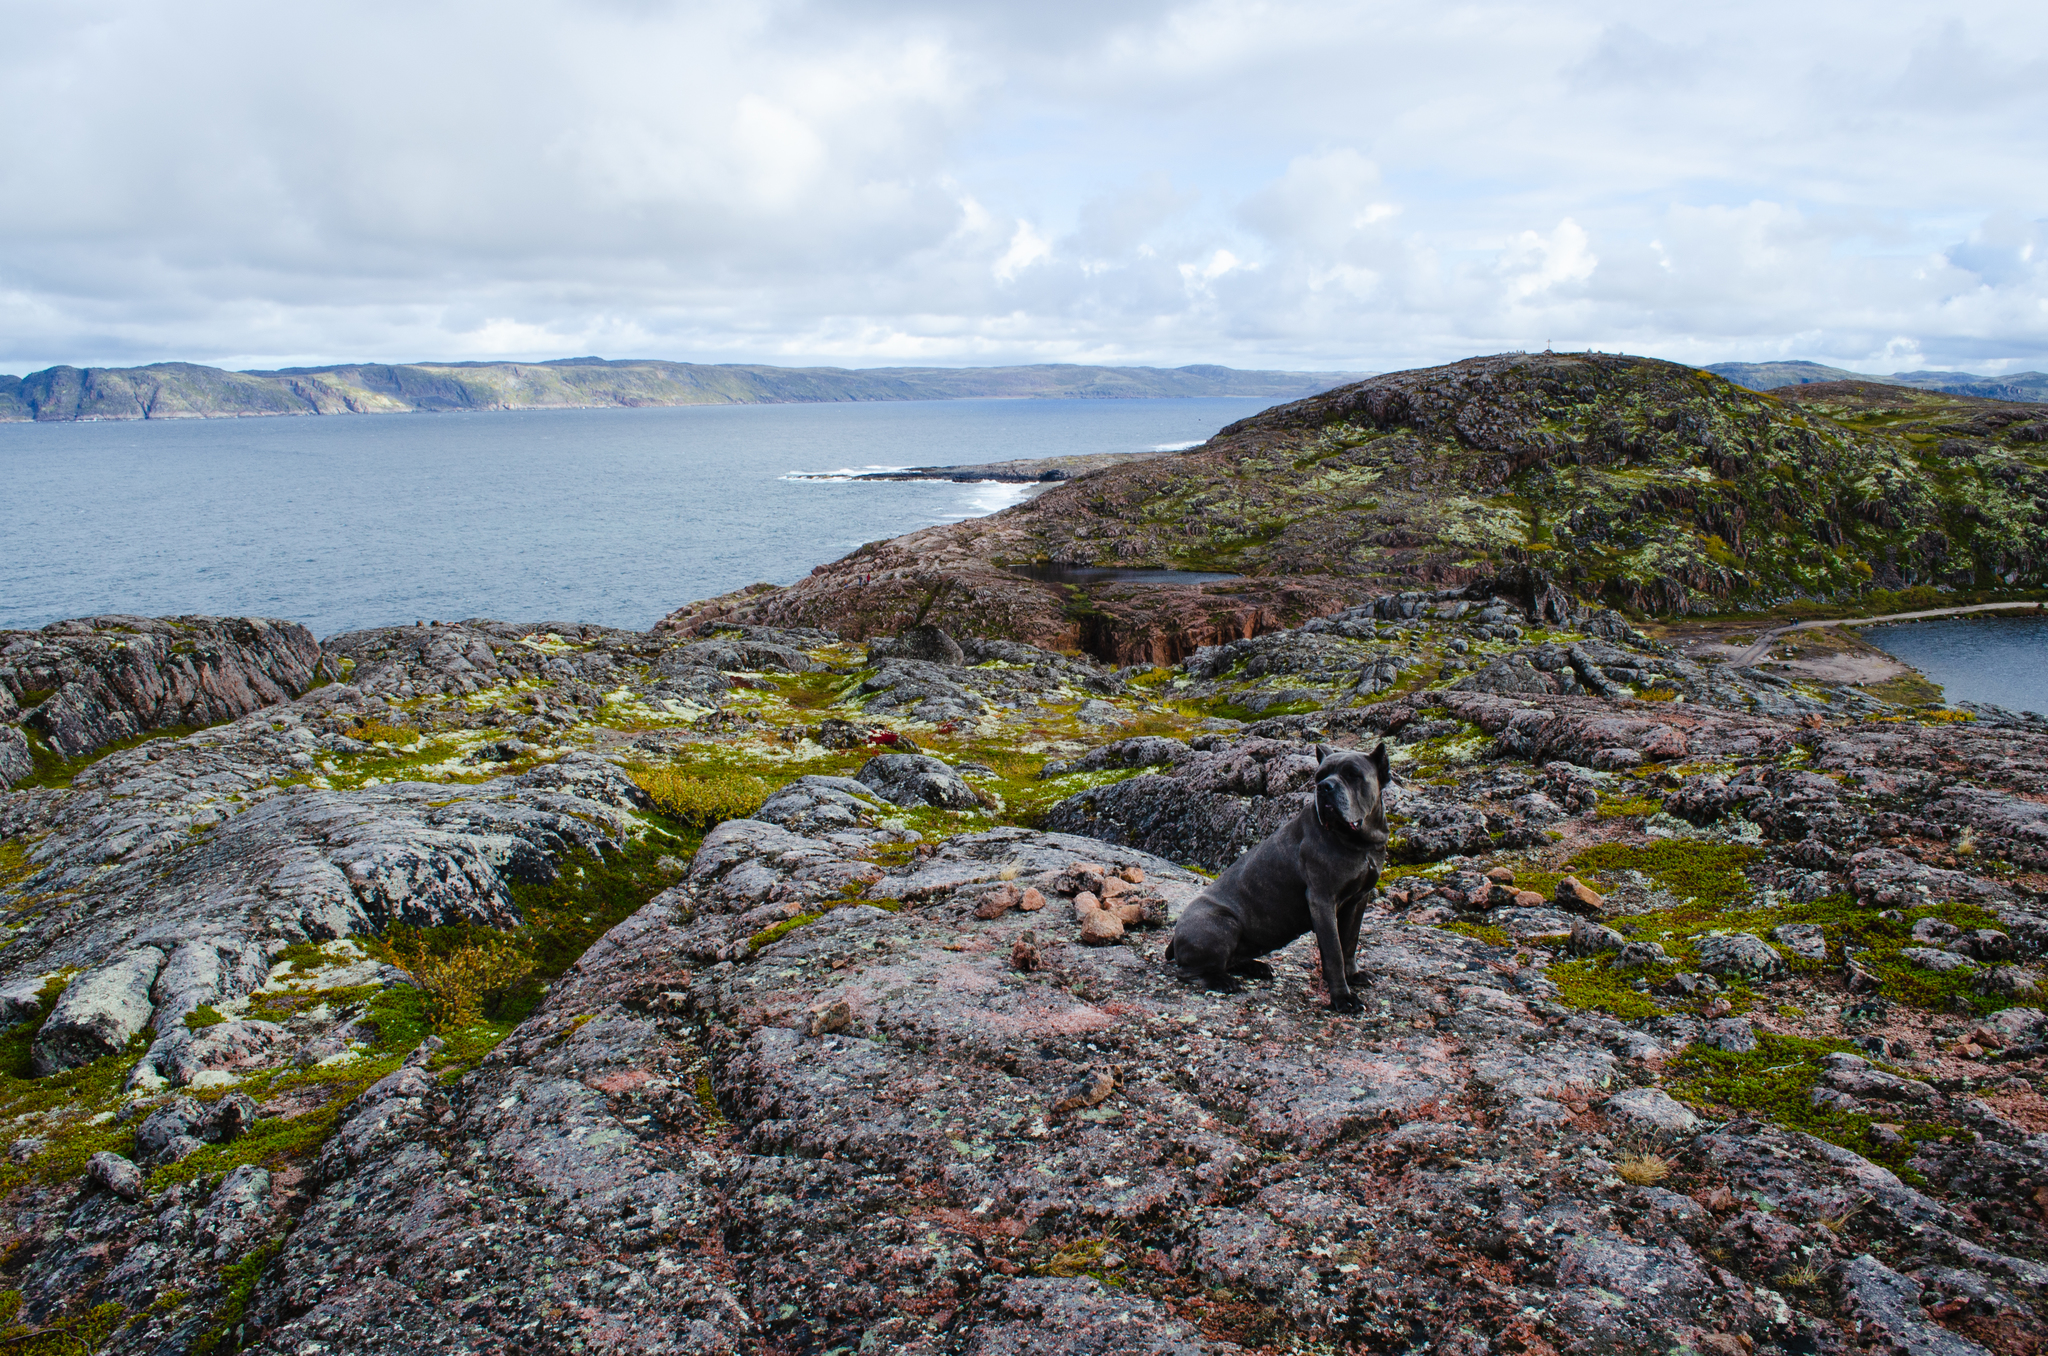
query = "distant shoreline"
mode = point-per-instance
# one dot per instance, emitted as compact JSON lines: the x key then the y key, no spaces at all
{"x":191,"y":391}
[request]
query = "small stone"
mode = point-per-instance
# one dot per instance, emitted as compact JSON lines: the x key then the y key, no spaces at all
{"x":1134,"y":874}
{"x":1574,"y":897}
{"x":116,"y":1174}
{"x":830,"y":1017}
{"x":1528,"y":899}
{"x":1112,"y":886}
{"x":1086,"y":903}
{"x":1092,"y":1089}
{"x":1859,"y":979}
{"x":1501,"y":875}
{"x":1100,"y":927}
{"x":998,"y":902}
{"x":1033,"y":901}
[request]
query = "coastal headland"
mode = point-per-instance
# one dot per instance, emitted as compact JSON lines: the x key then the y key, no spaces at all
{"x":787,"y":977}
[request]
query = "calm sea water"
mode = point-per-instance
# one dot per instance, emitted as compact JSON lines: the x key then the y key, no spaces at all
{"x":612,"y":516}
{"x":2000,"y":661}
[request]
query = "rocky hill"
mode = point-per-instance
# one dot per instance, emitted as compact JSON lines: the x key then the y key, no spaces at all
{"x":189,"y":391}
{"x":1641,"y":484}
{"x":2023,"y":386}
{"x":556,"y":989}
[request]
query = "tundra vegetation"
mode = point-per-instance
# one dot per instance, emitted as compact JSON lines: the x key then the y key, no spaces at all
{"x":735,"y":987}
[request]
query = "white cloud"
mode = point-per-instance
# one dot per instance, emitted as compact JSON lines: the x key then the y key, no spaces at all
{"x":1260,"y":182}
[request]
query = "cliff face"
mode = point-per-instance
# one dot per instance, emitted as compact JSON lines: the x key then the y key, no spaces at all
{"x":189,"y":391}
{"x":1629,"y":481}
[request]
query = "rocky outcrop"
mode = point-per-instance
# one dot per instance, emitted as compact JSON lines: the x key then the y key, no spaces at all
{"x":1458,"y":477}
{"x":840,"y":1081}
{"x":82,"y":685}
{"x":167,"y":900}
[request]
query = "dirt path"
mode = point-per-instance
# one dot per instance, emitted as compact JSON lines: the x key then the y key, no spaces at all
{"x":1763,"y":646}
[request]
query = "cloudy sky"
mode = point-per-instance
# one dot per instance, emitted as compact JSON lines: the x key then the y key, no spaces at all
{"x":1355,"y":185}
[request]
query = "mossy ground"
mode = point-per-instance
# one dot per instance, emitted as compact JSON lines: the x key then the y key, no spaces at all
{"x":1775,"y":1081}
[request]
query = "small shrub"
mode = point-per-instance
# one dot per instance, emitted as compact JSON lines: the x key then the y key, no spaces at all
{"x":370,"y":730}
{"x":81,"y":1333}
{"x":455,"y":982}
{"x":701,"y":800}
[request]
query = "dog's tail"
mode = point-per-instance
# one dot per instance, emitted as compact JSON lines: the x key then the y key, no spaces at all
{"x":1169,"y":948}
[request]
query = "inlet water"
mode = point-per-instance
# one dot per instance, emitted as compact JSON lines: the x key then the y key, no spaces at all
{"x":1998,"y":661}
{"x":612,"y":516}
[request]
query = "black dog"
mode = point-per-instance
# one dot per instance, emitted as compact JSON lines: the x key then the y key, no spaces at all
{"x":1316,"y":873}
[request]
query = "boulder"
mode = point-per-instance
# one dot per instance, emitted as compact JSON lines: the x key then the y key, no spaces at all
{"x":1574,"y":897}
{"x":1591,"y":939}
{"x":1733,"y":1034}
{"x":1928,"y":958}
{"x":1633,"y":954}
{"x":917,"y":779}
{"x":116,"y":1174}
{"x":1808,"y":941}
{"x":1651,"y":1111}
{"x":1740,"y":955}
{"x":99,"y":1012}
{"x":927,"y":643}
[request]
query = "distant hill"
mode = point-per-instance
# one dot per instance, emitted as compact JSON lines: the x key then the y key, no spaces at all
{"x":2029,"y":386}
{"x":190,"y":391}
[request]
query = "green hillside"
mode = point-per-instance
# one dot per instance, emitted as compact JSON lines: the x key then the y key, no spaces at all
{"x":1658,"y":487}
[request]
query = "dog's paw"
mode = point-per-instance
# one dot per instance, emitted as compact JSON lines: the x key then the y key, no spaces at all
{"x":1253,"y":969}
{"x":1346,"y":1002}
{"x":1358,"y":979}
{"x":1223,"y":983}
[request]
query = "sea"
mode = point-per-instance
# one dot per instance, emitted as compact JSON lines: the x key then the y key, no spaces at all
{"x":1998,"y":661}
{"x":614,"y":516}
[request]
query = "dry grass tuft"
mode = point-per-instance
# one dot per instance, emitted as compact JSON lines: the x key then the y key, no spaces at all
{"x":1642,"y":1169}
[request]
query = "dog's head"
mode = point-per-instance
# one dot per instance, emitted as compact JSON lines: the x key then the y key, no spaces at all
{"x":1348,"y":786}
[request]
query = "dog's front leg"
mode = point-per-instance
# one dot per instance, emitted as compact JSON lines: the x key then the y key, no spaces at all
{"x":1322,"y":912}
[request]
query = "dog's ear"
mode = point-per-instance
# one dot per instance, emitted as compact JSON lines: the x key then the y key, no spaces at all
{"x":1381,"y":765}
{"x":1323,"y":752}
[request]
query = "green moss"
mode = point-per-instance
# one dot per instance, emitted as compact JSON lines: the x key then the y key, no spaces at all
{"x":1707,"y":874}
{"x":1481,"y":933}
{"x":1596,"y":985}
{"x":1616,"y":807}
{"x":202,"y":1017}
{"x":238,"y":1282}
{"x":52,"y":769}
{"x":1775,"y":1081}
